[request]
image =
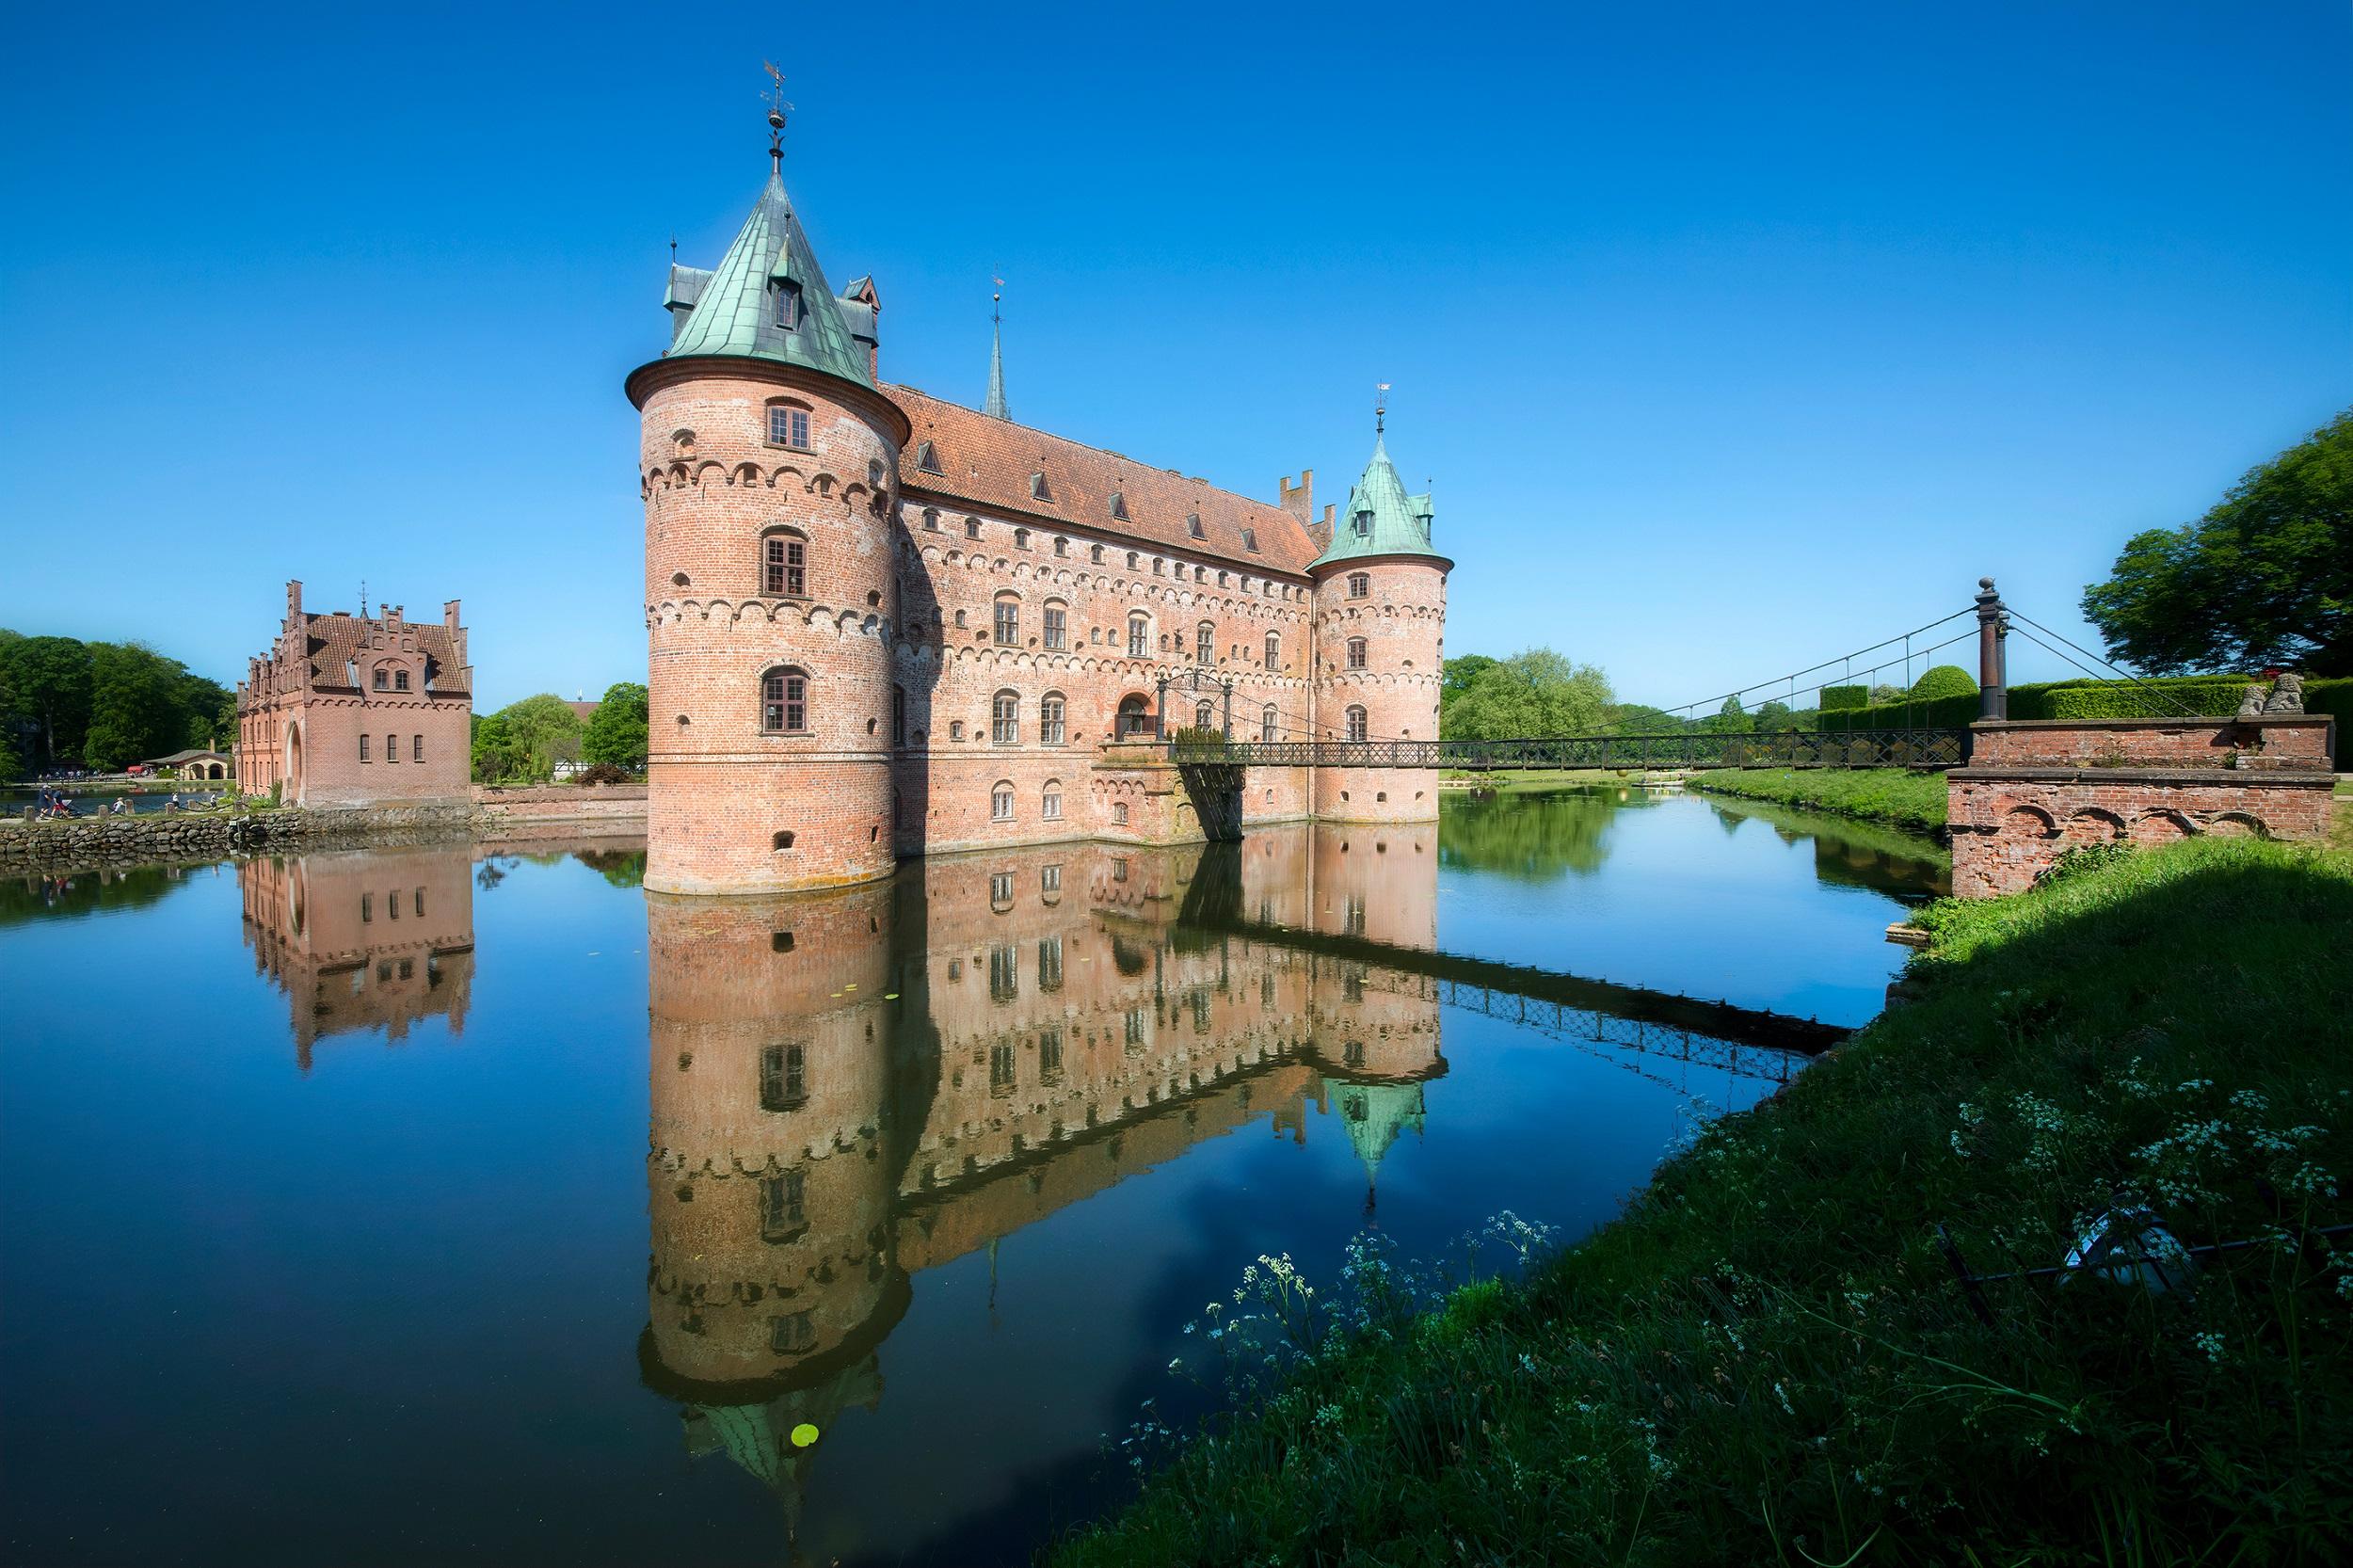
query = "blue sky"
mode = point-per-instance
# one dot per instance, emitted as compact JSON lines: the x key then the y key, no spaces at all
{"x":1729,"y":336}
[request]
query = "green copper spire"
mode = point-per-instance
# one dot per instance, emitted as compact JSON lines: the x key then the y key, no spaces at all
{"x":1374,"y":1114}
{"x":1379,"y":518}
{"x":995,"y":408}
{"x":767,"y":299}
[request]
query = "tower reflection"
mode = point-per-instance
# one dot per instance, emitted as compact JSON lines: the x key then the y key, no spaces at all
{"x":849,"y":1089}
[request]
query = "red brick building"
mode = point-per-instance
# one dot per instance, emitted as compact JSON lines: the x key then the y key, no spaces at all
{"x":883,"y":624}
{"x":346,"y":710}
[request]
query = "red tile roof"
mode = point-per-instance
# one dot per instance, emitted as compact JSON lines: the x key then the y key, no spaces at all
{"x":335,"y":642}
{"x":989,"y":463}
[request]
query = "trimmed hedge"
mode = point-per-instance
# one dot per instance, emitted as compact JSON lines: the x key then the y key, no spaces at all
{"x":1943,"y":681}
{"x":1846,"y":697}
{"x":2211,"y":696}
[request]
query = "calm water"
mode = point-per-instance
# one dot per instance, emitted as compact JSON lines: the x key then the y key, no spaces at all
{"x":429,"y":1205}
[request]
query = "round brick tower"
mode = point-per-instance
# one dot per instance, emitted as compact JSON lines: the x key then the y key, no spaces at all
{"x":1380,"y":634}
{"x":769,"y":465}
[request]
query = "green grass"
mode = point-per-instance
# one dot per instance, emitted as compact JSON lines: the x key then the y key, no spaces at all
{"x":1767,"y":1359}
{"x":1910,"y":800}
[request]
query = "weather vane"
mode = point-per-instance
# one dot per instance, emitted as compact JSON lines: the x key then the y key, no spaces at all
{"x":777,"y":109}
{"x":1380,"y":407}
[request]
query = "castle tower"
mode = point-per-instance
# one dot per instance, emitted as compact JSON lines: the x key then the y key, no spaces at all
{"x":1380,"y":633}
{"x":768,"y":465}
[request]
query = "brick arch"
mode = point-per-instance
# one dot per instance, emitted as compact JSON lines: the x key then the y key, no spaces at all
{"x":2161,"y":826}
{"x":2238,"y":825}
{"x":2093,"y":825}
{"x":2030,"y":822}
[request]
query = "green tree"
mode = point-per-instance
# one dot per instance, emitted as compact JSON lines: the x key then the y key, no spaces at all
{"x":51,"y":677}
{"x":1731,"y":719}
{"x":1774,"y":716}
{"x":525,"y":740}
{"x":132,"y":712}
{"x":616,"y":730}
{"x":1943,"y":681}
{"x":11,"y":720}
{"x":1639,"y":718}
{"x":2265,"y":577}
{"x":1534,"y":694}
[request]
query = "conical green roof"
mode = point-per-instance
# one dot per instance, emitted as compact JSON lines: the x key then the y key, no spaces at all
{"x":1379,"y":518}
{"x":737,"y":309}
{"x":1374,"y":1114}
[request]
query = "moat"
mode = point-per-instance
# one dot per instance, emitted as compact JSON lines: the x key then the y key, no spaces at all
{"x":446,"y":1204}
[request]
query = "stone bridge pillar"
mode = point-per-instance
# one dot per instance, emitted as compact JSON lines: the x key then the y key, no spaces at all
{"x":2034,"y":787}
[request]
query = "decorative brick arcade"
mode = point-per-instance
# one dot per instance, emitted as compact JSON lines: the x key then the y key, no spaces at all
{"x":2034,"y":787}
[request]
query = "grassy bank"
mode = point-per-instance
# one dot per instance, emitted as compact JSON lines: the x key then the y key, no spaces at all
{"x":1767,"y":1359}
{"x":1908,"y":800}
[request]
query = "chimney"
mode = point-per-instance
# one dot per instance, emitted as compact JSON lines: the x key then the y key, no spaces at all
{"x":1321,"y":530}
{"x":1300,"y":500}
{"x":293,"y":602}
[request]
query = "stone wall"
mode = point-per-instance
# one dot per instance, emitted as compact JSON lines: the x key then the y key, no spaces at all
{"x":103,"y":841}
{"x":2034,"y":787}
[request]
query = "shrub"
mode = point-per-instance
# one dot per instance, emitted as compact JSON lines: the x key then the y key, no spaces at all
{"x":601,"y":773}
{"x":1846,"y":697}
{"x":1943,"y":681}
{"x":1195,"y":735}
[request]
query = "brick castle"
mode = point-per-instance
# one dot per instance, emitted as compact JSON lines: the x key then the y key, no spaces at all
{"x":883,"y":625}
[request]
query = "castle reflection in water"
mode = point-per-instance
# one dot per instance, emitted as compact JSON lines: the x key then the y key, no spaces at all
{"x":850,"y":1088}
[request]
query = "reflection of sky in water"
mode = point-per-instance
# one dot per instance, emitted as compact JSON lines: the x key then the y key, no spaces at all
{"x":392,"y":1303}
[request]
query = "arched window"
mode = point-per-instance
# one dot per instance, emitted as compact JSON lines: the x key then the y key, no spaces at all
{"x":1274,"y":650}
{"x":363,"y":745}
{"x":1049,"y":805}
{"x":1132,"y":558}
{"x":1008,"y":620}
{"x":416,"y":754}
{"x":1000,"y":801}
{"x":1359,"y":727}
{"x":1004,"y":719}
{"x":784,"y":701}
{"x":1203,"y":641}
{"x":972,"y":528}
{"x":1062,"y":546}
{"x":1052,"y":715}
{"x":1359,"y":584}
{"x":1057,"y":624}
{"x":1356,"y":654}
{"x":930,"y":520}
{"x":1203,"y":716}
{"x":783,"y":564}
{"x":1095,"y":554}
{"x":1265,"y":724}
{"x":1139,"y":635}
{"x":1020,"y":538}
{"x":391,"y":748}
{"x":1133,"y":719}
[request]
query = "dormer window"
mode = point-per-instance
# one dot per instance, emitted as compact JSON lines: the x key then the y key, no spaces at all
{"x":1364,"y":524}
{"x":1250,"y":540}
{"x":788,"y":304}
{"x":1192,"y":525}
{"x":1119,"y":505}
{"x":1039,"y":489}
{"x":927,"y":458}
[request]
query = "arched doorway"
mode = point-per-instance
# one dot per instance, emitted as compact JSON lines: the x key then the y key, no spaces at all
{"x":1135,"y":717}
{"x":293,"y":791}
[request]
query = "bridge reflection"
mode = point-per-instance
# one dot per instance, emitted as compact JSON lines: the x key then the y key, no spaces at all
{"x":849,"y":1089}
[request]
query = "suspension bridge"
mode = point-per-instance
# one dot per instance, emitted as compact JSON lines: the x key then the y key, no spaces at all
{"x":1924,"y":745}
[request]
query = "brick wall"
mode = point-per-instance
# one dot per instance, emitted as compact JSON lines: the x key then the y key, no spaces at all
{"x":1402,"y":623}
{"x":2032,"y":789}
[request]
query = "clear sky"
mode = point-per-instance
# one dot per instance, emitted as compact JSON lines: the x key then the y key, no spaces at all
{"x":1730,"y":336}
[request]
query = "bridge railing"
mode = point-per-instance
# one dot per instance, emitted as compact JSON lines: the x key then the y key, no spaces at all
{"x":1852,"y":748}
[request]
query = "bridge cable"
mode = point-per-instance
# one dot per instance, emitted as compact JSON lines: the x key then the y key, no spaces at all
{"x":2156,"y":693}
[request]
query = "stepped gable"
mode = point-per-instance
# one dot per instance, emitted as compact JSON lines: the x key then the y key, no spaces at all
{"x":987,"y":462}
{"x":333,"y":642}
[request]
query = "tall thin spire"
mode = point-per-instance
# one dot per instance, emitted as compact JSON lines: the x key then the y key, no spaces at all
{"x":995,"y":408}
